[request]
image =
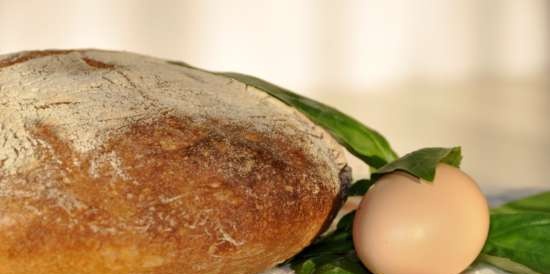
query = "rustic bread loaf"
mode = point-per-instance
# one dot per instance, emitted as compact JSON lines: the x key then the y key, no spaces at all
{"x":117,"y":163}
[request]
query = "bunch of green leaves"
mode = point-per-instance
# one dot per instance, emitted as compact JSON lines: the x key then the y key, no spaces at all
{"x":331,"y":254}
{"x":519,"y":237}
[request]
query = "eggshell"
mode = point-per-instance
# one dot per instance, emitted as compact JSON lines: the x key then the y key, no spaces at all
{"x":408,"y":226}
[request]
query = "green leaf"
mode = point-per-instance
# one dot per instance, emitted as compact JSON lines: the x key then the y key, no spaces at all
{"x":337,"y":243}
{"x":422,"y":163}
{"x":521,"y":238}
{"x":360,"y":140}
{"x":349,"y":264}
{"x":330,"y":264}
{"x":360,"y":187}
{"x":536,"y":203}
{"x":328,"y":248}
{"x":305,"y":267}
{"x":346,"y":222}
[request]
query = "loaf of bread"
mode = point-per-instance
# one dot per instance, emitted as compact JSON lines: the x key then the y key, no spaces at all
{"x":118,"y":163}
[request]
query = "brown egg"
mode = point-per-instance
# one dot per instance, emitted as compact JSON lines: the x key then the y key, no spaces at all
{"x":408,"y":226}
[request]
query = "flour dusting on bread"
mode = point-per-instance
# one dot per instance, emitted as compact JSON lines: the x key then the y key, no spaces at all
{"x":89,"y":95}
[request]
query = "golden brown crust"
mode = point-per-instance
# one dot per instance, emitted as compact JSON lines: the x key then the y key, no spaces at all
{"x":115,"y":163}
{"x":166,"y":210}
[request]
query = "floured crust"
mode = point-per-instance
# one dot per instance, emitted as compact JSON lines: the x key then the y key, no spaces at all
{"x":114,"y":162}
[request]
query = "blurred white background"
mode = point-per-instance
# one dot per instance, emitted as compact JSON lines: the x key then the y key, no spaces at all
{"x":423,"y":73}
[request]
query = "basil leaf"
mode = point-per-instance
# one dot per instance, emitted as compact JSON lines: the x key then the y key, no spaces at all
{"x":328,"y":248}
{"x":346,"y":222}
{"x":337,"y":243}
{"x":340,"y":241}
{"x":523,"y":238}
{"x":363,"y":142}
{"x":349,"y":264}
{"x":422,"y":163}
{"x":360,"y":140}
{"x":360,"y":187}
{"x":330,"y":264}
{"x":536,"y":203}
{"x":305,"y":267}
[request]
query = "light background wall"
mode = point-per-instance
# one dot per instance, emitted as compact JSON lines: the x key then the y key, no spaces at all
{"x":424,"y":73}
